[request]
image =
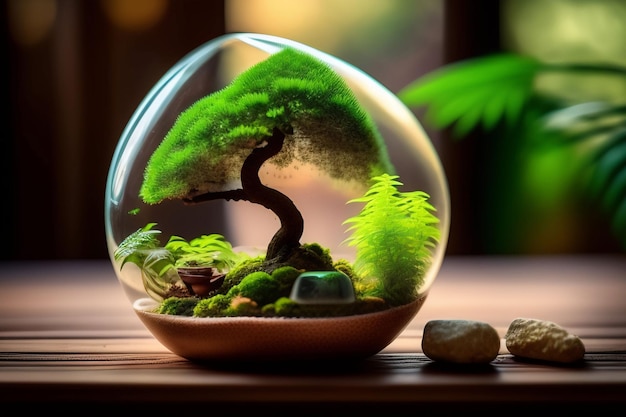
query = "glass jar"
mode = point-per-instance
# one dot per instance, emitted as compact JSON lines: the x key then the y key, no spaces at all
{"x":153,"y":247}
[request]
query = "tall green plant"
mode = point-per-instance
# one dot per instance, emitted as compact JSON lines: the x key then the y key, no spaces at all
{"x":394,"y":235}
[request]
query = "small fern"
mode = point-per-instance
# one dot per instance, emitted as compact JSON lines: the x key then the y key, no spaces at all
{"x":143,"y":249}
{"x":157,"y":263}
{"x":212,"y":249}
{"x":394,"y":235}
{"x":133,"y":248}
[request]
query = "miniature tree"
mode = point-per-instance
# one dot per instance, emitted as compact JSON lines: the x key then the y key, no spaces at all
{"x":289,"y":109}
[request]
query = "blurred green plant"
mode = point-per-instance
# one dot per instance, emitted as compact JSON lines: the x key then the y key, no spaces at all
{"x":501,"y":90}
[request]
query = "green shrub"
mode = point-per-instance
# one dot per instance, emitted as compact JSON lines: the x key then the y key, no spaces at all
{"x":178,"y":306}
{"x":393,"y":234}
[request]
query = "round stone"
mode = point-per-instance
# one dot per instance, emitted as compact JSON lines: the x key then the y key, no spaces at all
{"x":460,"y":341}
{"x":543,"y":340}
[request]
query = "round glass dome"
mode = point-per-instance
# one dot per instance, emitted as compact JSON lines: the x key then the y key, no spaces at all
{"x":259,"y":156}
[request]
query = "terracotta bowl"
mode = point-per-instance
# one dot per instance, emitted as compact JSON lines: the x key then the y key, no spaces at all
{"x":267,"y":339}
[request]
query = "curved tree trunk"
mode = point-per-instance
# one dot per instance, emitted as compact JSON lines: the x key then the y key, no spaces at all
{"x":287,"y":238}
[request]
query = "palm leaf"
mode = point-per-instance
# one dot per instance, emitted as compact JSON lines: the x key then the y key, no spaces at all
{"x":469,"y":93}
{"x":485,"y":91}
{"x":607,"y":181}
{"x":606,"y":124}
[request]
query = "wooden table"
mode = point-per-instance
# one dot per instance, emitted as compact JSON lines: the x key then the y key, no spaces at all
{"x":69,"y":340}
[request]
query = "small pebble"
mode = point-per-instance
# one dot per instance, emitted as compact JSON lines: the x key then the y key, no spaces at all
{"x":543,"y":340}
{"x":460,"y":341}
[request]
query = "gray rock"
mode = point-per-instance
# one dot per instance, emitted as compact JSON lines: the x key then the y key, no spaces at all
{"x":460,"y":341}
{"x":543,"y":340}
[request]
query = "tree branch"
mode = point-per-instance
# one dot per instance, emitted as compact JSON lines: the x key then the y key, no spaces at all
{"x":234,"y":195}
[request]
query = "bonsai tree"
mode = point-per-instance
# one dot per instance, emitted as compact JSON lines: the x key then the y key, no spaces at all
{"x":290,"y":108}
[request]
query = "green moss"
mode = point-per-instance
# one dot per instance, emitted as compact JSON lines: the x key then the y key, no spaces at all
{"x":178,"y":306}
{"x":311,"y":256}
{"x":307,"y":257}
{"x":284,"y":307}
{"x":240,"y":271}
{"x":212,"y":307}
{"x":345,"y":266}
{"x":285,"y":277}
{"x":320,"y":251}
{"x":258,"y":286}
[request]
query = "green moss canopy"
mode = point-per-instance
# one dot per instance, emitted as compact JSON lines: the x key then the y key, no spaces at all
{"x":290,"y":90}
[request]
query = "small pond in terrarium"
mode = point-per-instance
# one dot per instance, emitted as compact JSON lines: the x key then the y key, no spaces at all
{"x":266,"y":197}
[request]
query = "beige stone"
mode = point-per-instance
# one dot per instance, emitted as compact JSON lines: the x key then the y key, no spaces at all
{"x":543,"y":340}
{"x":460,"y":341}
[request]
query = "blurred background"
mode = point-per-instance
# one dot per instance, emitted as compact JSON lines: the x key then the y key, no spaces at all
{"x":76,"y":70}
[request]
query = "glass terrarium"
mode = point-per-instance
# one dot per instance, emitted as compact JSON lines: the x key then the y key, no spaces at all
{"x":270,"y":201}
